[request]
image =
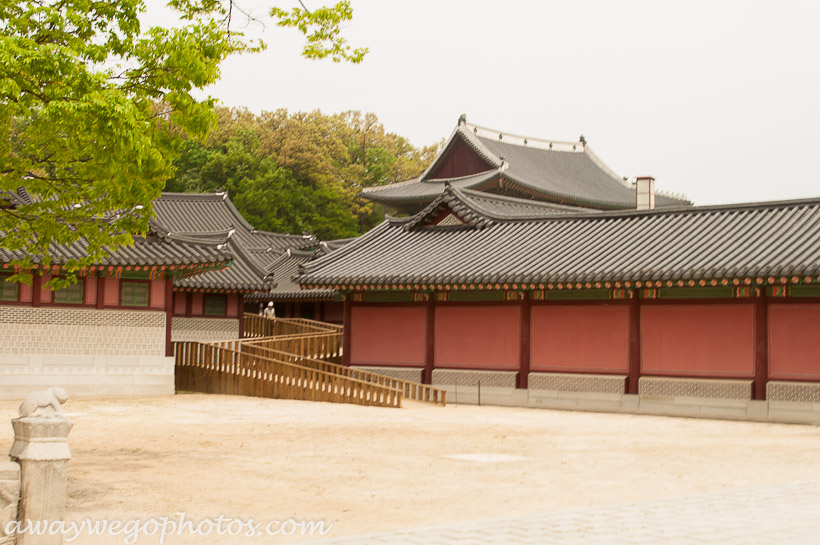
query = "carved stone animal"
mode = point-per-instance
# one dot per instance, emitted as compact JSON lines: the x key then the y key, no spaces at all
{"x":44,"y":404}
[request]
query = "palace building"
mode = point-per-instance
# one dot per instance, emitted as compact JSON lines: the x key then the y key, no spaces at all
{"x":572,"y":298}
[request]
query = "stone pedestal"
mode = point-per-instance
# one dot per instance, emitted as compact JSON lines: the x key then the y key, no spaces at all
{"x":9,"y":496}
{"x":41,"y":448}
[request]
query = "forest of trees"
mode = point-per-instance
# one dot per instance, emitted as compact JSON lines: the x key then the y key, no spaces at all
{"x":299,"y":172}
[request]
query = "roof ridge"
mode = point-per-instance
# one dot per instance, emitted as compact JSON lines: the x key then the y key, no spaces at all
{"x":526,"y":141}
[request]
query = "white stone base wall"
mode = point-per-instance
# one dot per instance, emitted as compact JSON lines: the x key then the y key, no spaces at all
{"x":565,"y":382}
{"x":806,"y":411}
{"x":489,"y":379}
{"x":690,"y":387}
{"x":402,"y":373}
{"x":204,"y":330}
{"x":798,"y":392}
{"x":89,"y":352}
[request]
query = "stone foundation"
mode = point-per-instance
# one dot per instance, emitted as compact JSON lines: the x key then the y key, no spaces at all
{"x":488,"y":379}
{"x":402,"y":373}
{"x":204,"y":330}
{"x":564,"y":382}
{"x":799,"y":392}
{"x":698,"y":388}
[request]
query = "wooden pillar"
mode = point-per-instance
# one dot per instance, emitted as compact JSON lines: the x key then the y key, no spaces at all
{"x":169,"y":313}
{"x":189,"y":302}
{"x":634,"y":371}
{"x":241,"y":310}
{"x":761,"y":346}
{"x":348,"y":325}
{"x":100,"y":292}
{"x":525,"y":334}
{"x":36,"y":288}
{"x":430,"y":339}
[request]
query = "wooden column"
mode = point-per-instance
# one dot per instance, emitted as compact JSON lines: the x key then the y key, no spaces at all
{"x":430,"y":339}
{"x":241,"y":310}
{"x":525,"y":333}
{"x":169,"y":313}
{"x":100,"y":292}
{"x":348,"y":325}
{"x":634,"y":371}
{"x":36,"y":287}
{"x":189,"y":302}
{"x":761,"y":346}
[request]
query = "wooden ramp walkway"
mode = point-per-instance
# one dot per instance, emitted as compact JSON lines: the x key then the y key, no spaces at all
{"x":290,"y":359}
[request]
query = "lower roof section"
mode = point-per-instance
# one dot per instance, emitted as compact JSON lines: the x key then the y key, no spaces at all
{"x":758,"y":240}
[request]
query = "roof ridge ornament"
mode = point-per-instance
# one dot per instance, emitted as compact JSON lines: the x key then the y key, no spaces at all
{"x":462,"y":120}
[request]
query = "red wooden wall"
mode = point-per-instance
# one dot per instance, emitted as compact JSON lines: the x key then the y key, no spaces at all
{"x":698,"y":340}
{"x":579,"y":338}
{"x":478,"y":337}
{"x":388,"y":335}
{"x":794,"y":347}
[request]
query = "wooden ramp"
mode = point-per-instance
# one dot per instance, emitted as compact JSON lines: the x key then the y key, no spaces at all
{"x":297,"y":359}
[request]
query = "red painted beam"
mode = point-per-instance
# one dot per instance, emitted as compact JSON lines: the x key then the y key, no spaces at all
{"x":634,"y":370}
{"x":761,"y":346}
{"x":526,"y":331}
{"x":348,"y":327}
{"x":430,"y":339}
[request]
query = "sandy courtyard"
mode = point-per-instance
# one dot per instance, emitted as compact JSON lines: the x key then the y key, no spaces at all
{"x":371,"y":469}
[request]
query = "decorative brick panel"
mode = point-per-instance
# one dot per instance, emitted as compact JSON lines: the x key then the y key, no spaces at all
{"x":204,"y":329}
{"x":806,"y":392}
{"x":498,"y":379}
{"x":704,"y":388}
{"x":402,"y":373}
{"x":88,"y":332}
{"x":565,"y":382}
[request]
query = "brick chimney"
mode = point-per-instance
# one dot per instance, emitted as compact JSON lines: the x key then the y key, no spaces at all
{"x":645,"y":193}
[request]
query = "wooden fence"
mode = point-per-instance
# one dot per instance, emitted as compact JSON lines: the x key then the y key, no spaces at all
{"x":410,"y":390}
{"x":214,"y":369}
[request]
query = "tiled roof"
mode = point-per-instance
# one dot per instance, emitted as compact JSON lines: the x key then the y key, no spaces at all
{"x":148,"y":251}
{"x":560,"y":172}
{"x":684,"y":243}
{"x":212,"y":215}
{"x":285,"y":269}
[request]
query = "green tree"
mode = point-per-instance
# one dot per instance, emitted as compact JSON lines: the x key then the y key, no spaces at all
{"x":94,"y":109}
{"x":329,"y":160}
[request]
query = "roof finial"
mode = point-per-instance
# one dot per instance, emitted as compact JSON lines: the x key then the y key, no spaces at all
{"x":462,"y":120}
{"x":583,"y":140}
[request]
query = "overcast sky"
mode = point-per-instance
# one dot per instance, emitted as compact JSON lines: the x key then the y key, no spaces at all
{"x":716,"y":99}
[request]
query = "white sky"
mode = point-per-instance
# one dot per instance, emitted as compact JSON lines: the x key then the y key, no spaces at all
{"x":716,"y":99}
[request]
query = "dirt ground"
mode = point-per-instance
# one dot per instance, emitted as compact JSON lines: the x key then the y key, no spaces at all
{"x":372,"y":469}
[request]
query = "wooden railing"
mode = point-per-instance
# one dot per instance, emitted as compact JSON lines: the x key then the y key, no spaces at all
{"x":410,"y":390}
{"x":213,"y":369}
{"x":319,"y":326}
{"x":323,"y":346}
{"x":260,"y":326}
